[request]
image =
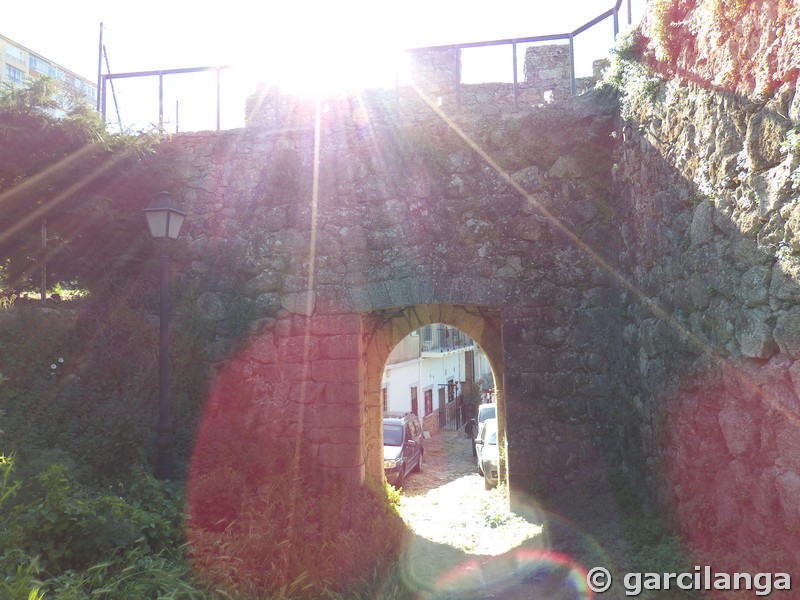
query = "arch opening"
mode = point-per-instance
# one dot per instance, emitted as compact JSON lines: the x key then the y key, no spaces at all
{"x":386,"y":329}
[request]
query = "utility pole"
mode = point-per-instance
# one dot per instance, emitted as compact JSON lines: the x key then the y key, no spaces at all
{"x":99,"y":67}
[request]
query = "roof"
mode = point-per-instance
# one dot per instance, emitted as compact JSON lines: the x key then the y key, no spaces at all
{"x":397,"y":414}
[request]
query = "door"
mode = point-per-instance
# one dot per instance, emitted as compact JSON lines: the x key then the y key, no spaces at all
{"x":410,"y":448}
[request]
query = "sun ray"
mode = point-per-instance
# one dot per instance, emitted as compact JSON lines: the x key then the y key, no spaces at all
{"x":653,"y":306}
{"x":307,"y":334}
{"x":63,"y":165}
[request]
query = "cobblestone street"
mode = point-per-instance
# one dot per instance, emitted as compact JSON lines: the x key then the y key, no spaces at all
{"x":456,"y":552}
{"x":446,"y":503}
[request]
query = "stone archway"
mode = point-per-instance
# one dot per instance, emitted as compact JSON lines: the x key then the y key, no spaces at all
{"x":383,"y":329}
{"x":402,"y":225}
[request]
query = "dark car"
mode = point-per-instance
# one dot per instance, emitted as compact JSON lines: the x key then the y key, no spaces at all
{"x":403,"y":446}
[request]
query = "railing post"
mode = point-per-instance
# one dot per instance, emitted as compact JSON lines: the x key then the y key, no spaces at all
{"x":397,"y":92}
{"x":103,"y":98}
{"x":99,"y":65}
{"x":218,"y":97}
{"x":572,"y":86}
{"x":458,"y":76}
{"x":277,"y":108}
{"x":161,"y":101}
{"x":516,"y":85}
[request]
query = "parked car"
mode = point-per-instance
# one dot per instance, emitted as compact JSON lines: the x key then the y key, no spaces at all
{"x":488,"y":454}
{"x":403,"y":446}
{"x":485,"y":411}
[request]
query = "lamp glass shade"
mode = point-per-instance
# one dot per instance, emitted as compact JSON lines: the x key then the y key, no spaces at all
{"x":164,"y":217}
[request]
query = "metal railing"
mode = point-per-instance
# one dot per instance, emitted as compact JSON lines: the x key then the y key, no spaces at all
{"x":612,"y":13}
{"x":106,"y":79}
{"x":440,"y":339}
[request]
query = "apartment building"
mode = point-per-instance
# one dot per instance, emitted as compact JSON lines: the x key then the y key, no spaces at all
{"x":429,"y":370}
{"x":18,"y":64}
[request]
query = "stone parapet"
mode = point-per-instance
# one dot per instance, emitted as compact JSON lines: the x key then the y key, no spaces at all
{"x":435,"y":86}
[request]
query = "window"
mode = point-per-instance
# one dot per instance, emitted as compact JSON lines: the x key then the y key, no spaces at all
{"x":392,"y":435}
{"x":385,"y":397}
{"x":428,"y":401}
{"x":37,"y":64}
{"x":14,"y":75}
{"x":414,"y":401}
{"x":15,"y":53}
{"x":451,"y":391}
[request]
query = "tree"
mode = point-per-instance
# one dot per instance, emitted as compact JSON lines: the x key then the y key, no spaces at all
{"x":66,"y":199}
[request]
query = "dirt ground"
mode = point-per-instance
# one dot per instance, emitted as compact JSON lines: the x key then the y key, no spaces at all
{"x":447,"y":502}
{"x":466,"y":544}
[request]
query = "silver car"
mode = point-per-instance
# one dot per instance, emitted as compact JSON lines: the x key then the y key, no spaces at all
{"x":488,"y":454}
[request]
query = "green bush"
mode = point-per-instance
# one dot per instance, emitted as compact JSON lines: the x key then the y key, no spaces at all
{"x":68,"y":526}
{"x":63,"y":540}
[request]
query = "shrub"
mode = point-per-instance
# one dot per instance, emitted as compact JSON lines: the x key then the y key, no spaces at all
{"x":68,"y":526}
{"x":135,"y":574}
{"x":637,"y":85}
{"x":264,"y":526}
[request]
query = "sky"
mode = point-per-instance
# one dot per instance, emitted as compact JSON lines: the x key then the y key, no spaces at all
{"x":294,"y":40}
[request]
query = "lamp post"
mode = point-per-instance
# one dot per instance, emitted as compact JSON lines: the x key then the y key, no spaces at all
{"x":165,"y":219}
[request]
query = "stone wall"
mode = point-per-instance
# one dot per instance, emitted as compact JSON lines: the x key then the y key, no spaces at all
{"x":653,"y":326}
{"x":711,"y":250}
{"x":419,"y":223}
{"x":747,"y":47}
{"x":547,"y":68}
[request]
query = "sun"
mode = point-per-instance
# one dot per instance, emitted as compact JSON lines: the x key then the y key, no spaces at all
{"x":328,"y":70}
{"x":320,"y":49}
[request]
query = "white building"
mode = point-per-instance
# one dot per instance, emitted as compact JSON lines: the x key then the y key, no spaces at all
{"x":430,"y":370}
{"x":18,"y":64}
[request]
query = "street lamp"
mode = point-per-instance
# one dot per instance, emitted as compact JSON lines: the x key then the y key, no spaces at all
{"x":165,"y":219}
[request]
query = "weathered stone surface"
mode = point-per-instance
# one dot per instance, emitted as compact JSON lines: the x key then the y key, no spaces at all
{"x":754,"y":290}
{"x":702,"y":228}
{"x":565,"y":167}
{"x":334,"y":370}
{"x":754,"y":333}
{"x":740,"y":431}
{"x":787,"y":331}
{"x":771,"y":189}
{"x":791,"y":215}
{"x":788,"y":484}
{"x":765,"y":133}
{"x":300,"y":302}
{"x":211,"y":306}
{"x":676,"y":343}
{"x":339,"y":346}
{"x":267,"y":281}
{"x":726,"y":268}
{"x":298,"y":349}
{"x":785,"y":281}
{"x":340,"y":455}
